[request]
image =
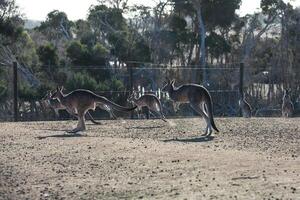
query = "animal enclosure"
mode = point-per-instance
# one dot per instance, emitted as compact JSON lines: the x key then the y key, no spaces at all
{"x":147,"y":159}
{"x":223,"y":82}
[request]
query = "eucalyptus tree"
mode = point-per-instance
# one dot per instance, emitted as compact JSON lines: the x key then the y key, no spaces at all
{"x":56,"y":26}
{"x":205,"y":15}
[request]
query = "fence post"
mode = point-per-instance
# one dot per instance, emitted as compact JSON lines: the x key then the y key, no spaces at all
{"x":15,"y":88}
{"x":241,"y":84}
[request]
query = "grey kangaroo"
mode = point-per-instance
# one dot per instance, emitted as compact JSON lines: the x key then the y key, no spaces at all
{"x":147,"y":100}
{"x":199,"y":99}
{"x":245,"y":107}
{"x":287,"y":107}
{"x":80,"y":101}
{"x":57,"y":106}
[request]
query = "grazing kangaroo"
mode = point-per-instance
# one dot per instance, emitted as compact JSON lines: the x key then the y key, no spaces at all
{"x":148,"y":100}
{"x":287,"y":108}
{"x":80,"y":101}
{"x":245,"y":107}
{"x":57,"y":106}
{"x":199,"y":99}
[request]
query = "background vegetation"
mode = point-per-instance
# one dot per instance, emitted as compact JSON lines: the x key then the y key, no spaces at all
{"x":114,"y":36}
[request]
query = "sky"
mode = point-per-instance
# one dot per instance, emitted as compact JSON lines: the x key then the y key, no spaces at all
{"x":77,"y":9}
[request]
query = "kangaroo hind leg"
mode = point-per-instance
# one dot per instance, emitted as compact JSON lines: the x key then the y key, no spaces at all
{"x":81,"y":123}
{"x":197,"y":108}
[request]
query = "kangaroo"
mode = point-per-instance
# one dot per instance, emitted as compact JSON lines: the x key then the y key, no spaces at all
{"x":57,"y":106}
{"x":80,"y":101}
{"x":287,"y":107}
{"x":148,"y":100}
{"x":245,"y":107}
{"x":199,"y":99}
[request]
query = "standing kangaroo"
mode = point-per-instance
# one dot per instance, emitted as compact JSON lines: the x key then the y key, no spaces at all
{"x":245,"y":107}
{"x":148,"y":100}
{"x":80,"y":101}
{"x":287,"y":108}
{"x":57,"y":106}
{"x":199,"y":99}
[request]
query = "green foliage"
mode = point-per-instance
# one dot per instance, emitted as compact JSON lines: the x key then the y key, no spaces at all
{"x":30,"y":56}
{"x":106,"y":19}
{"x":48,"y":55}
{"x":99,"y":54}
{"x":81,"y":80}
{"x":11,"y":23}
{"x":80,"y":54}
{"x":120,"y":45}
{"x":10,"y":29}
{"x":271,"y":7}
{"x":219,"y":12}
{"x":85,"y":81}
{"x":57,"y":25}
{"x":115,"y":84}
{"x":27,"y":93}
{"x":217,"y":45}
{"x":111,"y":23}
{"x":140,"y":51}
{"x":177,"y":23}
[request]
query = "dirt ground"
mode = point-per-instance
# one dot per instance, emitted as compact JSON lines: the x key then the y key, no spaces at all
{"x":255,"y":158}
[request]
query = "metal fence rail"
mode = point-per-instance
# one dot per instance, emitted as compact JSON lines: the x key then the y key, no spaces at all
{"x":224,"y":82}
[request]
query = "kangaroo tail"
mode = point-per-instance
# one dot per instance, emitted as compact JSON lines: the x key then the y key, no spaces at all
{"x":112,"y":104}
{"x":210,"y":111}
{"x":92,"y":119}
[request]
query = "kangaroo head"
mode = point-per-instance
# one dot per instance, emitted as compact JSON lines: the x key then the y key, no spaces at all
{"x":58,"y":93}
{"x":168,"y":86}
{"x":131,"y":97}
{"x":286,"y":94}
{"x":47,"y":96}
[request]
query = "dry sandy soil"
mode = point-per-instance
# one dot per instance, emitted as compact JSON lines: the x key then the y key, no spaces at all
{"x":254,"y":158}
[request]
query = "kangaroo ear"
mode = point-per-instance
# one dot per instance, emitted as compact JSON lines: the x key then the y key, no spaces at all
{"x":172,"y":82}
{"x":62,"y":88}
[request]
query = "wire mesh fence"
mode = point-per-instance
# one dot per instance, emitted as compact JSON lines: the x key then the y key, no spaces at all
{"x":117,"y":82}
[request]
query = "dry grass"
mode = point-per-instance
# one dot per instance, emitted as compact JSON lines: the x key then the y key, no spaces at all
{"x":250,"y":159}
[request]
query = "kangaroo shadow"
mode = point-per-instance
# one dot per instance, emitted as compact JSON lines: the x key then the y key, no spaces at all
{"x":61,"y":136}
{"x":55,"y":130}
{"x":145,"y":127}
{"x":200,"y":139}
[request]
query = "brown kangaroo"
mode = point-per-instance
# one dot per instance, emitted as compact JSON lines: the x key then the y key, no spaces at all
{"x":245,"y":107}
{"x":199,"y":99}
{"x":148,"y":100}
{"x":57,"y":106}
{"x":287,"y":107}
{"x":80,"y":101}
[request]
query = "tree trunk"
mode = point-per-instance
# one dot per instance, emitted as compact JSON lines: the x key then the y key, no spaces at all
{"x":202,"y":36}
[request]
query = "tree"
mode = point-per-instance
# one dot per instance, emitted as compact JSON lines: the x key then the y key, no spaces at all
{"x":56,"y":26}
{"x":78,"y":53}
{"x":10,"y":20}
{"x":49,"y":59}
{"x":206,"y":14}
